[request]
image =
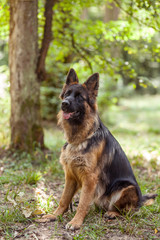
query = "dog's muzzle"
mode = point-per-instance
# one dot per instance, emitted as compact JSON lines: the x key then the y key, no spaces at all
{"x":65,"y":105}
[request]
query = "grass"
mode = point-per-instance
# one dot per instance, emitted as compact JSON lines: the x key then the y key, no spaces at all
{"x":31,"y":185}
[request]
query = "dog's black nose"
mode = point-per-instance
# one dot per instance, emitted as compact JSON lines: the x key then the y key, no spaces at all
{"x":65,"y":104}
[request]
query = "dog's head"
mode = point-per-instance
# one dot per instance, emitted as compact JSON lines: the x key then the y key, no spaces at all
{"x":77,"y":97}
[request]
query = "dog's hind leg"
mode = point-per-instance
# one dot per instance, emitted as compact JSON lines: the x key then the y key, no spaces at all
{"x":122,"y":201}
{"x":110,"y":215}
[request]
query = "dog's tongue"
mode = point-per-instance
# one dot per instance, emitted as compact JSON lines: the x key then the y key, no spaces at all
{"x":67,"y":115}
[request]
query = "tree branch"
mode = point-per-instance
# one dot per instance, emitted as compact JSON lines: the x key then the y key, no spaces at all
{"x":134,"y":17}
{"x":80,"y":53}
{"x":47,"y":37}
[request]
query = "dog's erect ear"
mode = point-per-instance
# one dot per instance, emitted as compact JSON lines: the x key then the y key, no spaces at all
{"x":92,"y":84}
{"x":72,"y":77}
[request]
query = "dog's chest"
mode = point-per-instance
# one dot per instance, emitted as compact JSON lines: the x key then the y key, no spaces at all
{"x":73,"y":157}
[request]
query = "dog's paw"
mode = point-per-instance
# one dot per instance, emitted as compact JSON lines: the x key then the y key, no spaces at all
{"x":111,"y":215}
{"x":73,"y":226}
{"x":46,"y":218}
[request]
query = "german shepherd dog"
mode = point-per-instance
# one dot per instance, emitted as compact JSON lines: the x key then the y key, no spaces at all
{"x":92,"y":158}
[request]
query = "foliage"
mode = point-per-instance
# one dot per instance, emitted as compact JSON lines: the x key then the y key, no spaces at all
{"x":125,"y":51}
{"x":90,"y":40}
{"x":4,"y":23}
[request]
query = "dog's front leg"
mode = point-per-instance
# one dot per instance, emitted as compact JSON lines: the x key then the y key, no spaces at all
{"x":67,"y":195}
{"x":86,"y":198}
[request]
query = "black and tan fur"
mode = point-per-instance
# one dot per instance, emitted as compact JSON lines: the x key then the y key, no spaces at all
{"x":92,"y":159}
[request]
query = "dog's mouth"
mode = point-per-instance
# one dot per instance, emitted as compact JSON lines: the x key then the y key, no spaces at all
{"x":68,"y":115}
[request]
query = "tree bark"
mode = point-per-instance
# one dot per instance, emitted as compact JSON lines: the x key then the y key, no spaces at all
{"x":47,"y":37}
{"x":25,"y":120}
{"x":111,"y":13}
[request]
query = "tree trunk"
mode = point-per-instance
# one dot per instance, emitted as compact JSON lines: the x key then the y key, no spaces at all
{"x":25,"y":120}
{"x":47,"y":37}
{"x":111,"y":12}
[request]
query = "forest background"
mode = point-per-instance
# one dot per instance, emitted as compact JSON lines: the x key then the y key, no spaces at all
{"x":118,"y":39}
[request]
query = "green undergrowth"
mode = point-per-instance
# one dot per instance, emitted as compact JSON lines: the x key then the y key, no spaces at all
{"x":31,"y":184}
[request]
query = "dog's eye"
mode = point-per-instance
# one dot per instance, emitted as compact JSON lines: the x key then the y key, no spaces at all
{"x":67,"y":93}
{"x":79,"y":96}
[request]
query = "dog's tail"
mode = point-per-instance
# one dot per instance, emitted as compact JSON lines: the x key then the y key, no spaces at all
{"x":148,"y":199}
